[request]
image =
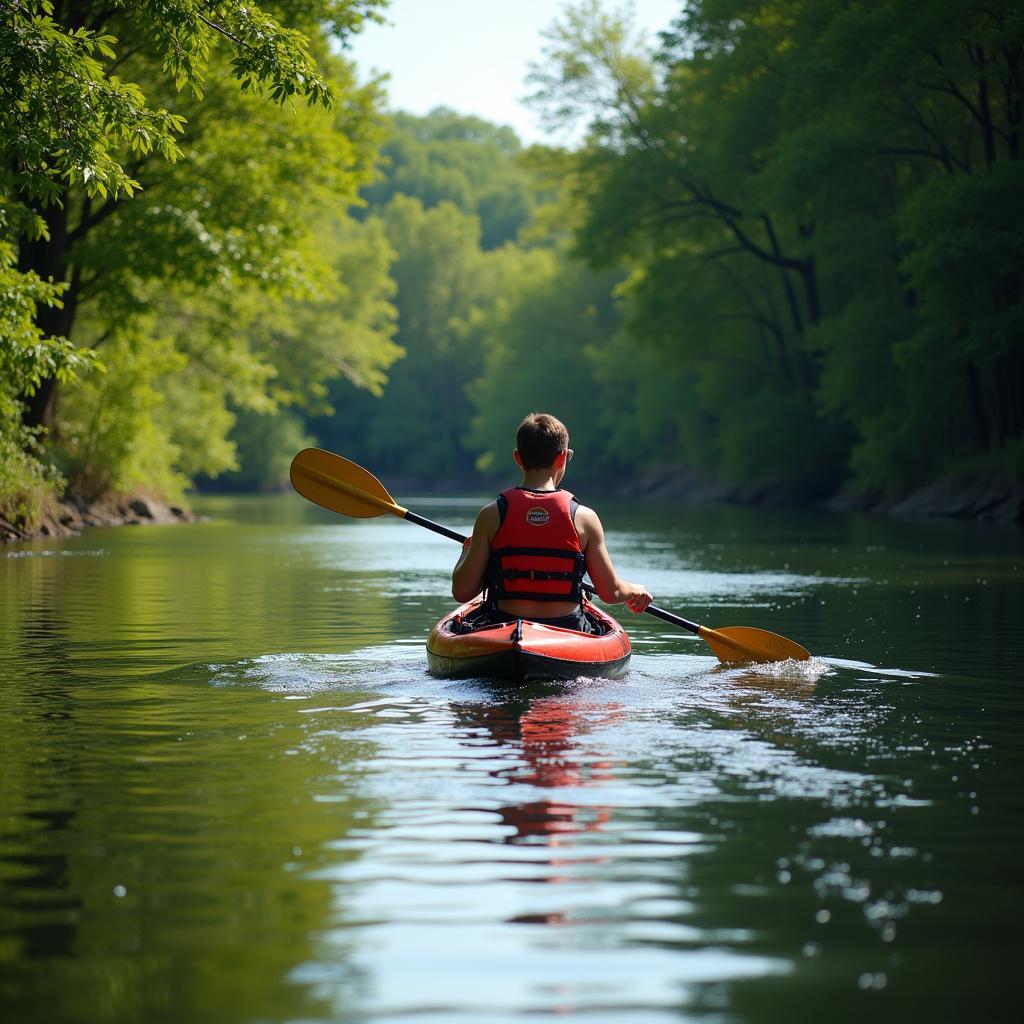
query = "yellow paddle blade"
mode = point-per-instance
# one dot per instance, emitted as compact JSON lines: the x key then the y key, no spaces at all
{"x":742,"y":644}
{"x":334,"y":483}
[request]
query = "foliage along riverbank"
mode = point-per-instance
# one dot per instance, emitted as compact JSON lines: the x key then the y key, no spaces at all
{"x":802,"y":304}
{"x":175,"y":242}
{"x":784,"y":262}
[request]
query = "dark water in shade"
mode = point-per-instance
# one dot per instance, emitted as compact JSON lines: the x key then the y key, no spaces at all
{"x":229,"y":791}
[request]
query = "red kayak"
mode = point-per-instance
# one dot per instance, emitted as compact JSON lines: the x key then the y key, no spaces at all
{"x":522,"y":651}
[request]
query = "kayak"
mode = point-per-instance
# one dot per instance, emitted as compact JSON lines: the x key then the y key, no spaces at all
{"x":522,"y":651}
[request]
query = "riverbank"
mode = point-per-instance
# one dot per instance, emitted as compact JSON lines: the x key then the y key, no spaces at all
{"x":70,"y":516}
{"x":980,"y":498}
{"x":977,"y":497}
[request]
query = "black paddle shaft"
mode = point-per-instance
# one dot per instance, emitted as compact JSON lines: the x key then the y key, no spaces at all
{"x":676,"y":620}
{"x":659,"y":613}
{"x":436,"y":527}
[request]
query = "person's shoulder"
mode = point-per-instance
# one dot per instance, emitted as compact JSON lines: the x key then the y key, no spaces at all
{"x":488,"y":515}
{"x":588,"y":524}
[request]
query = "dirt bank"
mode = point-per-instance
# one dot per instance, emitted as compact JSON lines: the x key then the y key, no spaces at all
{"x":977,"y":497}
{"x":71,"y":516}
{"x":980,"y":498}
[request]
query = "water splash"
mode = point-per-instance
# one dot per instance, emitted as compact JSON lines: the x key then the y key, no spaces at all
{"x":303,"y":674}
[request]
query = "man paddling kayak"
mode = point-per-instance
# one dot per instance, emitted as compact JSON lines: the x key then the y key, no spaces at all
{"x":531,"y":546}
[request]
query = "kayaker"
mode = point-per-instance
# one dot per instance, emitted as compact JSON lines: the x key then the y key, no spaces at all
{"x":531,"y":546}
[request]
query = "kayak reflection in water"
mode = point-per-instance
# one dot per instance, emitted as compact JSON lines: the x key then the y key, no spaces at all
{"x":545,"y":733}
{"x":548,"y":759}
{"x":532,"y":545}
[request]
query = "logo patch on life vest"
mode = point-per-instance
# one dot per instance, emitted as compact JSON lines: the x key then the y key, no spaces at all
{"x":537,"y":516}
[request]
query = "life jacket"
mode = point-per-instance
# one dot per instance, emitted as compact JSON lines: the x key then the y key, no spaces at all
{"x":536,"y":553}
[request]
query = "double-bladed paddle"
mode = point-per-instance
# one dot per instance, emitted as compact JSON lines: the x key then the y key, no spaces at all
{"x":335,"y":483}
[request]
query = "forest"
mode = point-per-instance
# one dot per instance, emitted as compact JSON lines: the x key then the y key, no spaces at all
{"x":786,"y":256}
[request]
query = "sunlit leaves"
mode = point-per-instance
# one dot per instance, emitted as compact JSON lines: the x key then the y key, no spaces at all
{"x":25,"y":356}
{"x":62,"y":116}
{"x":595,"y":68}
{"x":242,"y":255}
{"x":95,"y":103}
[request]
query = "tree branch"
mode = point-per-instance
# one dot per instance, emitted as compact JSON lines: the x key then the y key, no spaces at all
{"x":912,"y":151}
{"x":224,"y":32}
{"x":90,"y":220}
{"x":950,"y":88}
{"x":918,"y":120}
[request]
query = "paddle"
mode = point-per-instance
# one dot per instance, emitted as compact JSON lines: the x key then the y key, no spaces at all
{"x":335,"y":483}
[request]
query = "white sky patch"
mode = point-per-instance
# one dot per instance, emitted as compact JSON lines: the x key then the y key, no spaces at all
{"x":473,"y":55}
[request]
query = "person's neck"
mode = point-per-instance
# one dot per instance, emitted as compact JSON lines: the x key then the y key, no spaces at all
{"x":539,"y":480}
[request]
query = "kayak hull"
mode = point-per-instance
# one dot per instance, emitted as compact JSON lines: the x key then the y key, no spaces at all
{"x":525,"y":651}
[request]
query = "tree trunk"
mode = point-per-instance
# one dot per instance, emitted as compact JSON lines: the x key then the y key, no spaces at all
{"x":787,"y":285}
{"x":982,"y":429}
{"x":48,"y":257}
{"x":1009,"y":386}
{"x":988,"y":133}
{"x":809,"y":275}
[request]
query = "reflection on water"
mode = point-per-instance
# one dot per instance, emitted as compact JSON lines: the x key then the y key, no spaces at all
{"x":230,"y":791}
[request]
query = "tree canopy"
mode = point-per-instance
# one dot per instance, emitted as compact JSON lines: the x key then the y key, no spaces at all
{"x":805,"y":194}
{"x":787,"y":253}
{"x":465,"y":160}
{"x":165,"y":165}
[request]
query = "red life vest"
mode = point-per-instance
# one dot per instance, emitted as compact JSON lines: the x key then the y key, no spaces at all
{"x":536,"y":553}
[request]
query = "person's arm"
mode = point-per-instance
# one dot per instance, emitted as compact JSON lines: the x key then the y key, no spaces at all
{"x":610,"y":587}
{"x":468,"y":574}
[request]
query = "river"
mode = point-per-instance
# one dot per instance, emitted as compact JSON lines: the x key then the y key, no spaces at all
{"x":230,"y":792}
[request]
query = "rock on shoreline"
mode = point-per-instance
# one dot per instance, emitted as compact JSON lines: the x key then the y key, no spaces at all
{"x":71,"y":515}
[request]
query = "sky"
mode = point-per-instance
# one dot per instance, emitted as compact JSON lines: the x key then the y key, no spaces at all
{"x":473,"y":55}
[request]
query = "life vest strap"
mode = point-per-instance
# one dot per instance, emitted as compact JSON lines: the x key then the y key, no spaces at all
{"x":500,"y":575}
{"x":543,"y":552}
{"x":536,"y":574}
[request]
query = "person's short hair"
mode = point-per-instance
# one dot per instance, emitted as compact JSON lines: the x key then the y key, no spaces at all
{"x":539,"y":440}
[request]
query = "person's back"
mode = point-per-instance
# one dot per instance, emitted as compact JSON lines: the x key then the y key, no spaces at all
{"x":536,"y":563}
{"x":531,"y":546}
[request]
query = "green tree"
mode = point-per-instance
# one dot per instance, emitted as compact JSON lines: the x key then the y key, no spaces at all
{"x":790,"y":185}
{"x":265,"y":444}
{"x":446,"y":156}
{"x":213,"y":237}
{"x":542,"y":352}
{"x":251,"y":267}
{"x":76,"y":136}
{"x":717,"y":278}
{"x":438,"y":270}
{"x":452,"y":298}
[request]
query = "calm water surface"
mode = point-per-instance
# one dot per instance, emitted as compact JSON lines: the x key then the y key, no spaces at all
{"x":229,"y":791}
